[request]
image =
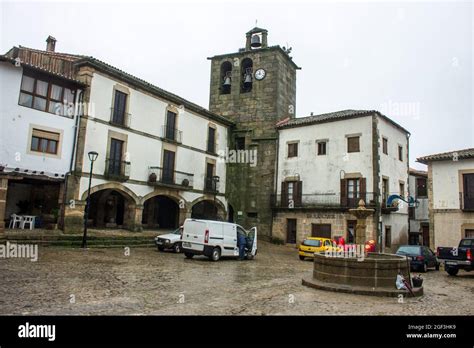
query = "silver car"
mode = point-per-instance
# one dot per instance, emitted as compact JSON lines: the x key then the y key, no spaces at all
{"x":170,"y":241}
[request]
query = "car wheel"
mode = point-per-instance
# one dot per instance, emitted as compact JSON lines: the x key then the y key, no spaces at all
{"x":160,"y":248}
{"x":301,"y":258}
{"x":177,"y":248}
{"x":452,"y":271}
{"x":424,"y":268}
{"x":216,"y":254}
{"x":437,"y":266}
{"x":188,"y":255}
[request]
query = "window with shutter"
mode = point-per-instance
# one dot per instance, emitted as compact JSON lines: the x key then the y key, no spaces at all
{"x":298,"y":193}
{"x":322,"y":145}
{"x":211,"y":140}
{"x":343,"y":192}
{"x":353,"y":144}
{"x":170,"y":132}
{"x":120,"y":104}
{"x":293,"y":150}
{"x":400,"y":153}
{"x":388,"y":236}
{"x":284,"y":194}
{"x":421,"y":190}
{"x":468,"y":191}
{"x":402,"y":189}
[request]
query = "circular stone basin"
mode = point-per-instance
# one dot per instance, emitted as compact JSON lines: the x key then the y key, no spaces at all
{"x":374,"y":274}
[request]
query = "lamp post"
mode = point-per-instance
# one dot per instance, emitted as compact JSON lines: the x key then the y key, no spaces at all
{"x":92,"y":157}
{"x":215,"y":180}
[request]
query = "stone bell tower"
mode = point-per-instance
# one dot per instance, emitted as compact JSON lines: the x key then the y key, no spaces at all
{"x":254,"y":87}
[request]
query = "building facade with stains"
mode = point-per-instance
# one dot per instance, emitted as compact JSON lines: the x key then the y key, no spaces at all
{"x":327,"y":164}
{"x":157,"y":157}
{"x":450,"y":197}
{"x":38,"y":117}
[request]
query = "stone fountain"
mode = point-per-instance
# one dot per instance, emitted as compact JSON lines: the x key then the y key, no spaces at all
{"x":361,"y":213}
{"x":360,"y":273}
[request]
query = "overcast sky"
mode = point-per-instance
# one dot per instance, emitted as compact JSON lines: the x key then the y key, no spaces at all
{"x":412,"y":61}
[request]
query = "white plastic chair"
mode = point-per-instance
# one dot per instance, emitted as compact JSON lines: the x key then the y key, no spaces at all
{"x":16,"y":219}
{"x":28,"y":220}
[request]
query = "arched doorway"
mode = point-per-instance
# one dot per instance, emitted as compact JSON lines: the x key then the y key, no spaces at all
{"x":110,"y":209}
{"x":207,"y":210}
{"x":160,"y":212}
{"x":231,"y":213}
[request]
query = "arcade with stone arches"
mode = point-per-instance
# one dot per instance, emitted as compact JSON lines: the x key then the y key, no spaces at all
{"x":115,"y":206}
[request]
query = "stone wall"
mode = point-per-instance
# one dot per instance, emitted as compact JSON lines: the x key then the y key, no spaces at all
{"x":449,"y":226}
{"x":255,"y":113}
{"x":338,"y":221}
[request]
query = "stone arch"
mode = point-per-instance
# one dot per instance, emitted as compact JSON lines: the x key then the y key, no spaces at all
{"x":171,"y":194}
{"x":226,"y":73}
{"x":246,"y":73}
{"x":114,"y":206}
{"x":156,"y":201}
{"x":114,"y":186}
{"x":221,"y":210}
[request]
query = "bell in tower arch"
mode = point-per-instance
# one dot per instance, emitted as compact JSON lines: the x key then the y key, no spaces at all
{"x":255,"y":41}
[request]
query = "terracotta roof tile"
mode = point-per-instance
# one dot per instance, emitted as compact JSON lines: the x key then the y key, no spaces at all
{"x":451,"y":155}
{"x":335,"y":116}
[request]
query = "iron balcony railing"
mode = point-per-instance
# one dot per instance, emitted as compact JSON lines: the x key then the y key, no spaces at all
{"x":171,"y":133}
{"x":159,"y":175}
{"x":322,"y":200}
{"x":211,"y":185}
{"x":117,"y":169}
{"x":465,"y":203}
{"x":120,"y":118}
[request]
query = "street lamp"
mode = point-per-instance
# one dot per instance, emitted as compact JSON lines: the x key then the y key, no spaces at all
{"x":92,"y":157}
{"x":215,"y":180}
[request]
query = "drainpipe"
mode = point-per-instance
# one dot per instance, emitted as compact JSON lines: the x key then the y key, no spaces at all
{"x":408,"y":186}
{"x":77,"y":115}
{"x":276,"y":179}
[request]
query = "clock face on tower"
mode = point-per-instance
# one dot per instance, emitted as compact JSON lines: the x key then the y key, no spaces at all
{"x":260,"y":74}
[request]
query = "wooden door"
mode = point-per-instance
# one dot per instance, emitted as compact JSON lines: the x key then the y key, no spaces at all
{"x":291,"y":231}
{"x":425,"y":230}
{"x":168,"y":167}
{"x":468,"y":194}
{"x":115,"y":157}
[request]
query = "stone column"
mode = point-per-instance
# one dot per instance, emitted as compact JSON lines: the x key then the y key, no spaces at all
{"x":3,"y":204}
{"x":184,"y":213}
{"x":361,"y":228}
{"x":361,"y":213}
{"x":133,"y":218}
{"x":247,"y":42}
{"x":74,"y":217}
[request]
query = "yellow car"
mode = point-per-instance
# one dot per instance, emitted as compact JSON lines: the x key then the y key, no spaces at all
{"x":315,"y":245}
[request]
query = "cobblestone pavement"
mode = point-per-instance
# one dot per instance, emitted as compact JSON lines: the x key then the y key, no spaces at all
{"x":105,"y":281}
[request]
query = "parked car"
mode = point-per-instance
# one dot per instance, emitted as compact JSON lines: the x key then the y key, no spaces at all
{"x":460,"y":257}
{"x":215,"y":239}
{"x":170,"y":241}
{"x":312,"y":245}
{"x":421,"y":257}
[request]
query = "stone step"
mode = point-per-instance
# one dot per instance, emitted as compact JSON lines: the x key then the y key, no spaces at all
{"x":93,"y":242}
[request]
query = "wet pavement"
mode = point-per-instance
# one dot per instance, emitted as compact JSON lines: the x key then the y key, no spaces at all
{"x":107,"y":281}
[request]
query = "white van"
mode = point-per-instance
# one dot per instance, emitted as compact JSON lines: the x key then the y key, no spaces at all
{"x":215,"y":239}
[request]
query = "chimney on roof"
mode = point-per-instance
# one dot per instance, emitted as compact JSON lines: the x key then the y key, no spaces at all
{"x":50,"y":43}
